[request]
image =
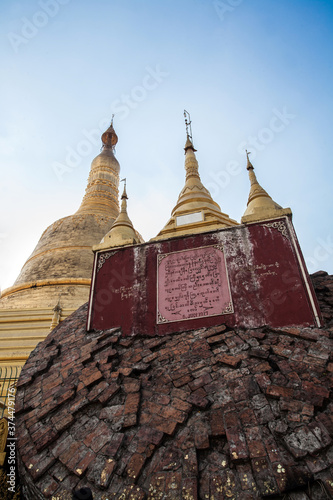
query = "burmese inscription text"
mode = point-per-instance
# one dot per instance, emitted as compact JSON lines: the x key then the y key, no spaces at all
{"x":192,"y":284}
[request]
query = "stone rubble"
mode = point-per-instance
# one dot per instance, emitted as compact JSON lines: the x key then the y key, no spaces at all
{"x":215,"y":413}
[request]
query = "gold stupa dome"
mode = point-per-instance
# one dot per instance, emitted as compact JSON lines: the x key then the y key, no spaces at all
{"x":62,"y":261}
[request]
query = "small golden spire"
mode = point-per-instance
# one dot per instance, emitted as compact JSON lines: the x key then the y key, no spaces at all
{"x":260,"y":205}
{"x":122,"y":231}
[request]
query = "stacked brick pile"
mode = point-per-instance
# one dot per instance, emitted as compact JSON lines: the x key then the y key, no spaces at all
{"x":323,"y":284}
{"x":214,"y":413}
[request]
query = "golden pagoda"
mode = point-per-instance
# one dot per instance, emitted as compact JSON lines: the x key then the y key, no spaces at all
{"x":55,"y":280}
{"x":260,"y":205}
{"x":195,"y":211}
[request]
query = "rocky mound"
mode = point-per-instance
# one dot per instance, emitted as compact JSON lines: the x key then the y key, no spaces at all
{"x":323,"y":285}
{"x":206,"y":414}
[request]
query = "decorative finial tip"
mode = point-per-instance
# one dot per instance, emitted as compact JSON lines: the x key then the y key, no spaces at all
{"x":249,"y":164}
{"x":110,"y":138}
{"x":124,"y":195}
{"x":188,"y":124}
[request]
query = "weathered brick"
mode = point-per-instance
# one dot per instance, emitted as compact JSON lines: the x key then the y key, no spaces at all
{"x":233,"y":361}
{"x":62,"y":444}
{"x":98,"y":437}
{"x":216,"y":423}
{"x":85,"y":458}
{"x":106,"y":473}
{"x":231,"y":420}
{"x":201,"y":437}
{"x":245,"y":477}
{"x":96,"y":390}
{"x":47,"y":486}
{"x":165,"y":426}
{"x":263,"y":477}
{"x":132,"y":403}
{"x":262,"y":380}
{"x":111,"y":413}
{"x":109,"y":392}
{"x":200,"y":382}
{"x":182,"y":381}
{"x":135,"y":465}
{"x":149,"y":435}
{"x":276,"y":391}
{"x":237,"y":444}
{"x":88,"y":376}
{"x":112,"y":447}
{"x":247,"y":417}
{"x":301,"y":442}
{"x":130,"y":420}
{"x":181,"y":405}
{"x":173,"y":413}
{"x":62,"y":420}
{"x":320,"y":431}
{"x":131,"y":385}
{"x":215,"y":339}
{"x":39,"y":464}
{"x":43,"y":436}
{"x":198,"y":398}
{"x":68,"y":453}
{"x":254,"y":442}
{"x":213,"y":331}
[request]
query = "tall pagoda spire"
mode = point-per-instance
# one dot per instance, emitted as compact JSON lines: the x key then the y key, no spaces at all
{"x":260,"y":205}
{"x":102,"y":189}
{"x":195,"y":211}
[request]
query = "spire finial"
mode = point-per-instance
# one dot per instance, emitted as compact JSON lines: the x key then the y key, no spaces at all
{"x":249,"y":164}
{"x":188,"y":124}
{"x":124,"y":195}
{"x":110,"y":138}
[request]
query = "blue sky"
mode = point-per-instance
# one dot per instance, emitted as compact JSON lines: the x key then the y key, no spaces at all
{"x":252,"y":73}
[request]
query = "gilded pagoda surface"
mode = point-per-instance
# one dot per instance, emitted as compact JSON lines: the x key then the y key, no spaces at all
{"x":55,"y":279}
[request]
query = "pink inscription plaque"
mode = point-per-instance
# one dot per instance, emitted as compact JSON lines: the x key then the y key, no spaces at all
{"x":192,"y":284}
